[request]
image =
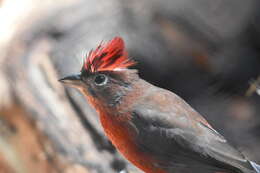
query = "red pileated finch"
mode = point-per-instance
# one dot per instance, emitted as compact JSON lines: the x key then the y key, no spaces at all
{"x":153,"y":128}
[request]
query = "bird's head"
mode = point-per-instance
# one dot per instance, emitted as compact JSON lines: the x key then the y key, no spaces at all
{"x":104,"y":77}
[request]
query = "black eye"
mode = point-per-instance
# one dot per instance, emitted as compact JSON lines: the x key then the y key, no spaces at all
{"x":100,"y":79}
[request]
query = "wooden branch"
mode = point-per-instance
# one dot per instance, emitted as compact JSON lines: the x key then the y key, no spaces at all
{"x":56,"y":129}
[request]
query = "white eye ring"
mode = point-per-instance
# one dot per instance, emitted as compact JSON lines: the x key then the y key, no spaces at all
{"x":100,"y":79}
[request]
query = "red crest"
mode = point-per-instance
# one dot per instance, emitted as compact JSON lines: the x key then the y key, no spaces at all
{"x":108,"y":56}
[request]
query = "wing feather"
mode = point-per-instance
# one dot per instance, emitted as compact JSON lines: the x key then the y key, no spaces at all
{"x":180,"y":137}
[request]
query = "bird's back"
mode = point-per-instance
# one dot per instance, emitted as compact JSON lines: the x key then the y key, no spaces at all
{"x":180,"y":138}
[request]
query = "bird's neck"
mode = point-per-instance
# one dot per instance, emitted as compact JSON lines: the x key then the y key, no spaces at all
{"x":139,"y":88}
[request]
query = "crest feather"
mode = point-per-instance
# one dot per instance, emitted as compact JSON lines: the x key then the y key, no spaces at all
{"x":108,"y":56}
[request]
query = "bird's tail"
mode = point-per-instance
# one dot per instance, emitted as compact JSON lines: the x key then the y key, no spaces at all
{"x":255,"y":166}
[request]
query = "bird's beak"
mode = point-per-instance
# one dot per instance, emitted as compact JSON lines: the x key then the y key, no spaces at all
{"x":72,"y":80}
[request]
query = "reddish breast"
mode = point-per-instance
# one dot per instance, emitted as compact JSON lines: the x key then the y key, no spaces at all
{"x":122,"y":135}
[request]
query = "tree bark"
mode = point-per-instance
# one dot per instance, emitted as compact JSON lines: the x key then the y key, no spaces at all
{"x":45,"y":127}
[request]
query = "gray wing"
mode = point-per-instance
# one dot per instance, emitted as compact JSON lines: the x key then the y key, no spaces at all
{"x":179,"y":137}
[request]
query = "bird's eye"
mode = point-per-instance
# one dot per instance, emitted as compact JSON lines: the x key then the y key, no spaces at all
{"x":100,"y":79}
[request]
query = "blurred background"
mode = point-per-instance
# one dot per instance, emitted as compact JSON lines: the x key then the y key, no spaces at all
{"x":207,"y":52}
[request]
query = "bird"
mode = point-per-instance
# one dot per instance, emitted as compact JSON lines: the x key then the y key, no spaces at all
{"x":153,"y":128}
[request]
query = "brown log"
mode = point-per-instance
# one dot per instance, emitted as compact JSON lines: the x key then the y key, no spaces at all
{"x":45,"y":127}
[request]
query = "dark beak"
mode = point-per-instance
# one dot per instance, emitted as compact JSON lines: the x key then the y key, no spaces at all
{"x":72,"y":80}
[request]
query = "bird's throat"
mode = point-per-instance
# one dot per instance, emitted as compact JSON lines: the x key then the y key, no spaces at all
{"x":123,"y":135}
